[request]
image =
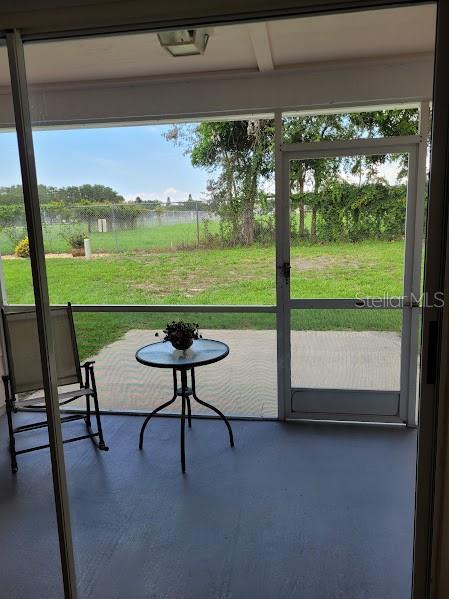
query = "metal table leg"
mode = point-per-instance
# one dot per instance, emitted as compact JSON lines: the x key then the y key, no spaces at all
{"x":186,"y":406}
{"x":164,"y":405}
{"x":189,"y":412}
{"x":211,"y":407}
{"x":185,"y":399}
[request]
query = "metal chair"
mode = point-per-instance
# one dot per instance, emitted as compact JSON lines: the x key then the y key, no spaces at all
{"x":25,"y":375}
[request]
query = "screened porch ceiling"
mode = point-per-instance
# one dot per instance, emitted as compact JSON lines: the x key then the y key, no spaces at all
{"x":261,"y":46}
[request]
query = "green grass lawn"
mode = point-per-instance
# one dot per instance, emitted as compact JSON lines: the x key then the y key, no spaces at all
{"x":218,"y":276}
{"x":140,"y":239}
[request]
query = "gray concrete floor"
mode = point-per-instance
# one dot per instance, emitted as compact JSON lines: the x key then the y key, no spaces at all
{"x":293,"y":512}
{"x":245,"y":383}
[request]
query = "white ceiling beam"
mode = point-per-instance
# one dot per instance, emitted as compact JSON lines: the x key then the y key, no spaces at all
{"x":260,"y":40}
{"x":312,"y":89}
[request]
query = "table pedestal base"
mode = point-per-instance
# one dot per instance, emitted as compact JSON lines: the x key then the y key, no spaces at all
{"x":185,"y":393}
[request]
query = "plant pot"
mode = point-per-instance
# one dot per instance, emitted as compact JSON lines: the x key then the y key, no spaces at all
{"x":78,"y":252}
{"x":181,"y":344}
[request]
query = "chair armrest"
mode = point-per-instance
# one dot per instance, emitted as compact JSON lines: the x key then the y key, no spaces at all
{"x":88,"y":363}
{"x":88,"y":369}
{"x":9,"y":396}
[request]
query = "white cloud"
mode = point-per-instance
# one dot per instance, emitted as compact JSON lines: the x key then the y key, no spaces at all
{"x":390,"y":171}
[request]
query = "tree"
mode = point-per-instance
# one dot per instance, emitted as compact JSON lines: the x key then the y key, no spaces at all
{"x":92,"y":193}
{"x":239,"y":156}
{"x":69,"y":195}
{"x":317,"y":174}
{"x":237,"y":153}
{"x":313,"y":172}
{"x":138,"y":200}
{"x":168,"y":201}
{"x":383,"y":123}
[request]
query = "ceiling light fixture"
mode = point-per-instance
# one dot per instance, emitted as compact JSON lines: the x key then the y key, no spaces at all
{"x":185,"y":42}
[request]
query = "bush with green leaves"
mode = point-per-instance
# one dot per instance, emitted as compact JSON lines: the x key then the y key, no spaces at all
{"x":12,"y":215}
{"x":74,"y":237}
{"x":123,"y":216}
{"x":349,"y":212}
{"x":23,"y":248}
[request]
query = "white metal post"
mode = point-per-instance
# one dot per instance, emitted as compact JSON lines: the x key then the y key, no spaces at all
{"x":46,"y":341}
{"x":282,"y":282}
{"x":407,"y":324}
{"x":416,"y":284}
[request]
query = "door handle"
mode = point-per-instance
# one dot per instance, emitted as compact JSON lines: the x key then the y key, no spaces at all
{"x":285,"y":269}
{"x":432,"y":353}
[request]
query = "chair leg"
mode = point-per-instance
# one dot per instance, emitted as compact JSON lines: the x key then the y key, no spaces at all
{"x":86,"y":384}
{"x":12,"y":442}
{"x":88,"y":422}
{"x":101,"y":443}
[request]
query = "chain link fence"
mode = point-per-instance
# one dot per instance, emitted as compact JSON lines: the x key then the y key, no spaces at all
{"x":113,"y":228}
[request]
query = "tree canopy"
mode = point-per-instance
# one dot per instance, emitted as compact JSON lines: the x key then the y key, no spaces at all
{"x":73,"y":194}
{"x":238,"y":155}
{"x":239,"y":158}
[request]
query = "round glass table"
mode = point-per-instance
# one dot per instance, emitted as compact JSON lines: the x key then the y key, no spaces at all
{"x":164,"y":355}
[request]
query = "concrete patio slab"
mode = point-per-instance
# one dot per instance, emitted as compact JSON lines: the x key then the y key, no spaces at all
{"x":245,"y":383}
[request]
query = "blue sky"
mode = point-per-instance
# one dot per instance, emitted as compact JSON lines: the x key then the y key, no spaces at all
{"x":135,"y":161}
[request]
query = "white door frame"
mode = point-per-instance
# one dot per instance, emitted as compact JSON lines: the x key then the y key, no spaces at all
{"x":405,"y":402}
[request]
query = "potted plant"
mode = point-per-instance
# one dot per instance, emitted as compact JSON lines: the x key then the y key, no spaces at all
{"x":76,"y":241}
{"x":181,"y":334}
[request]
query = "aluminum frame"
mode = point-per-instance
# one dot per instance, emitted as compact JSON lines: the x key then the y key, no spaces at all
{"x":415,"y":147}
{"x":46,"y":341}
{"x":431,"y":547}
{"x":213,"y":308}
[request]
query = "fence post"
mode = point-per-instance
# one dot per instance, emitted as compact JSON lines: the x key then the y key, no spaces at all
{"x":114,"y":228}
{"x":197,"y":225}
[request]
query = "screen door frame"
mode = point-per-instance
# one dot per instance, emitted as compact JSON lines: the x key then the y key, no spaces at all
{"x":361,"y":405}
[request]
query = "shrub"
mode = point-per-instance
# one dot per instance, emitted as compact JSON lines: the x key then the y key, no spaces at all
{"x":348,"y":212}
{"x":12,"y":215}
{"x":118,"y":216}
{"x":75,"y":239}
{"x":23,"y":248}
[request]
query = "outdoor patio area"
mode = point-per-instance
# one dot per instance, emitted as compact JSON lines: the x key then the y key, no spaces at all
{"x":293,"y":511}
{"x":245,"y":383}
{"x":235,"y":212}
